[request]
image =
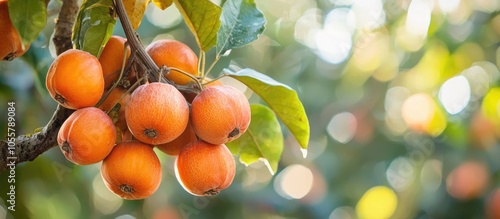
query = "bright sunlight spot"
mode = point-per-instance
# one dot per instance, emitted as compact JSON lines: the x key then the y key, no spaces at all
{"x":378,"y":202}
{"x":422,"y":114}
{"x":342,"y":127}
{"x":294,"y":182}
{"x":455,"y":94}
{"x":431,"y":175}
{"x":163,"y":19}
{"x":344,"y":212}
{"x":400,"y":173}
{"x":418,"y":19}
{"x":448,"y":5}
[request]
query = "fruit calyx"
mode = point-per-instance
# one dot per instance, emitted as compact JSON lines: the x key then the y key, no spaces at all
{"x":127,"y":189}
{"x":66,"y":147}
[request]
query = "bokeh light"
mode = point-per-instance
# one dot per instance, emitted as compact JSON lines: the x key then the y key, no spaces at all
{"x":455,"y":94}
{"x":422,"y":114}
{"x":467,"y":181}
{"x":294,"y":182}
{"x":342,"y":127}
{"x":400,"y":173}
{"x":378,"y":202}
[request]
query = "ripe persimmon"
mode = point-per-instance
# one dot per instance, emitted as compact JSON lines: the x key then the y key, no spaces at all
{"x":87,"y":136}
{"x":75,"y":79}
{"x":204,"y":169}
{"x":156,"y":113}
{"x":111,"y":59}
{"x":190,"y":96}
{"x":11,"y":45}
{"x":220,"y":114}
{"x":117,"y":96}
{"x":174,"y":147}
{"x":173,"y":53}
{"x":132,"y":170}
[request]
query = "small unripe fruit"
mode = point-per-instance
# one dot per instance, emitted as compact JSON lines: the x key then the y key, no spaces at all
{"x":87,"y":136}
{"x":205,"y":169}
{"x":220,"y":114}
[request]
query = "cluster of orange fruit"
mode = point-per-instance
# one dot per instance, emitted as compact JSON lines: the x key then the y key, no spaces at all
{"x":192,"y":128}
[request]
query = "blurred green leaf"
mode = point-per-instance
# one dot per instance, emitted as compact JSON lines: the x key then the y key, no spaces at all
{"x":162,"y":4}
{"x":241,"y":24}
{"x":281,"y":98}
{"x":202,"y":17}
{"x":94,"y":25}
{"x":28,"y":17}
{"x":262,"y":140}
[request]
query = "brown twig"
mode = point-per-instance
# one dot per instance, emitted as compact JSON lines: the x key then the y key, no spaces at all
{"x":28,"y":147}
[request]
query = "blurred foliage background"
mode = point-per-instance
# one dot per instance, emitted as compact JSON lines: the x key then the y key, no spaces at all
{"x":403,"y":99}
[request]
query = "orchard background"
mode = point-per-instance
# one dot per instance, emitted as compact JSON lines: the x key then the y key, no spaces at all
{"x":402,"y":99}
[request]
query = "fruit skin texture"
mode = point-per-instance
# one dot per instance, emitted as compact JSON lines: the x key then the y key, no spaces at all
{"x":75,"y":79}
{"x":204,"y":169}
{"x":220,"y":114}
{"x":111,"y":59}
{"x":173,"y":53}
{"x":156,"y":113}
{"x":174,"y":147}
{"x":11,"y":45}
{"x":132,"y":170}
{"x":87,"y":136}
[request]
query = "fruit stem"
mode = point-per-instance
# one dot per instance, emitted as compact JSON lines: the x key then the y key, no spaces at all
{"x":189,"y":75}
{"x":134,"y":40}
{"x":217,"y":58}
{"x":119,"y":78}
{"x":223,"y":75}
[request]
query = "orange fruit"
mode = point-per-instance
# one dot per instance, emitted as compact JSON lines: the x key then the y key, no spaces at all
{"x":156,"y":113}
{"x":174,"y":147}
{"x":190,"y":96}
{"x":204,"y":169}
{"x":75,"y":79}
{"x":173,"y":53}
{"x":111,"y":59}
{"x":11,"y":45}
{"x":87,"y":136}
{"x":132,"y":170}
{"x":220,"y":114}
{"x":117,"y":96}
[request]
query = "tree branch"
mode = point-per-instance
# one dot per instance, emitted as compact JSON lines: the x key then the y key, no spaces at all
{"x":28,"y":147}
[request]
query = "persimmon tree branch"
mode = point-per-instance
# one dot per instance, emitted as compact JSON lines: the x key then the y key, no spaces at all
{"x":29,"y":147}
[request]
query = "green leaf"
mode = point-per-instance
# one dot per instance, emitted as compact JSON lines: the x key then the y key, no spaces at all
{"x":28,"y":17}
{"x":162,"y":4}
{"x":202,"y":17}
{"x":241,"y":24}
{"x":94,"y":25}
{"x":282,"y":99}
{"x":262,"y":140}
